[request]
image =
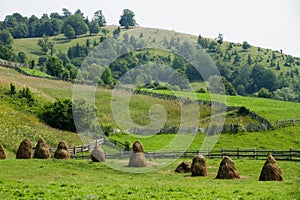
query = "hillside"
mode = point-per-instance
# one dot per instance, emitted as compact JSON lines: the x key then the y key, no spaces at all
{"x":48,"y":90}
{"x":247,"y":68}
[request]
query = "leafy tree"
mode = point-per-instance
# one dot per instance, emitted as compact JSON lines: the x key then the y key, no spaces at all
{"x":262,"y":78}
{"x":99,"y":17}
{"x":229,"y":89}
{"x":21,"y":57}
{"x":66,"y":13}
{"x":44,"y":44}
{"x":286,"y":94}
{"x":105,"y":31}
{"x":77,"y":22}
{"x":6,"y":38}
{"x":245,"y":46}
{"x":94,"y":27}
{"x":178,"y":80}
{"x":55,"y":67}
{"x":241,"y":90}
{"x":51,"y":47}
{"x":202,"y":41}
{"x":69,"y":32}
{"x":264,"y":93}
{"x":127,"y":19}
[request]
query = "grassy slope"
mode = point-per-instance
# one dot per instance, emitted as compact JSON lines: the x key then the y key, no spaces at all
{"x":272,"y":110}
{"x":281,"y":139}
{"x":30,"y":47}
{"x":81,"y":179}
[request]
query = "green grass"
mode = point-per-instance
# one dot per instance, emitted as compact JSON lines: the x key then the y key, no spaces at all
{"x":31,"y":49}
{"x":33,"y":72}
{"x":16,"y":125}
{"x":273,"y":110}
{"x":280,"y":139}
{"x":81,"y":179}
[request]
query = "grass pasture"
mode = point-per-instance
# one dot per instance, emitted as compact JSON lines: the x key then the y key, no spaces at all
{"x":82,"y":179}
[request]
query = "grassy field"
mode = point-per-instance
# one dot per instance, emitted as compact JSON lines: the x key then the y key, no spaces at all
{"x":81,"y":179}
{"x":281,"y":139}
{"x":273,"y":110}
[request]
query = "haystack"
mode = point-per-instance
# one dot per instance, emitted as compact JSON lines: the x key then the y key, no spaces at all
{"x":25,"y":150}
{"x":199,"y":166}
{"x":41,"y":150}
{"x":137,"y":157}
{"x":2,"y":153}
{"x":62,"y":151}
{"x":98,"y":155}
{"x":184,"y":167}
{"x":227,"y":169}
{"x":271,"y":171}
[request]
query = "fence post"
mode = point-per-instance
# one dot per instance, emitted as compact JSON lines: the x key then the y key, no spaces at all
{"x":291,"y":153}
{"x":238,"y":153}
{"x":82,"y":151}
{"x":255,"y":155}
{"x":174,"y":152}
{"x":74,"y":150}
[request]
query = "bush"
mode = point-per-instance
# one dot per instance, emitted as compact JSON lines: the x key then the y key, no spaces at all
{"x":264,"y":93}
{"x":59,"y":115}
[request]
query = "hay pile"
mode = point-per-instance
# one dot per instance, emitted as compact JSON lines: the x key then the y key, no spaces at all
{"x":2,"y":153}
{"x":271,"y":171}
{"x":41,"y":150}
{"x":62,"y":151}
{"x":98,"y":155}
{"x":25,"y":150}
{"x":199,"y":166}
{"x":227,"y":170}
{"x":137,"y":157}
{"x":184,"y":167}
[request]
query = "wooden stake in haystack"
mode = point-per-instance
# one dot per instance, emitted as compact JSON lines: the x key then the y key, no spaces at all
{"x":2,"y":153}
{"x":137,"y":157}
{"x":98,"y":155}
{"x":199,"y":166}
{"x":184,"y":167}
{"x":41,"y":150}
{"x":271,"y":171}
{"x":62,"y":151}
{"x":25,"y":150}
{"x":227,"y":170}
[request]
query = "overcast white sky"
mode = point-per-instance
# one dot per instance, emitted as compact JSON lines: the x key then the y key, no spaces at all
{"x":271,"y":24}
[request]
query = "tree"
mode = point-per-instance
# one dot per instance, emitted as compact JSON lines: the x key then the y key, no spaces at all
{"x":21,"y":57}
{"x":69,"y":32}
{"x":117,"y":31}
{"x":99,"y":17}
{"x":262,"y":78}
{"x":245,"y":46}
{"x":264,"y":93}
{"x":249,"y":60}
{"x":94,"y":27}
{"x":77,"y":22}
{"x":51,"y":47}
{"x":44,"y":44}
{"x":54,"y":67}
{"x":220,"y":38}
{"x":127,"y":19}
{"x":214,"y":47}
{"x":6,"y":38}
{"x":107,"y":77}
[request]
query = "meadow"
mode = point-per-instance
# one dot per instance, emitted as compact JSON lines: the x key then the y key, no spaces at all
{"x":82,"y":179}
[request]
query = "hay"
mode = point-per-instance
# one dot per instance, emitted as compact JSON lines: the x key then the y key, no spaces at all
{"x":98,"y":155}
{"x":2,"y":153}
{"x":41,"y":150}
{"x":227,"y":170}
{"x":271,"y":171}
{"x":62,"y":151}
{"x":184,"y":167}
{"x":199,"y":166}
{"x":137,"y":157}
{"x":25,"y":150}
{"x":137,"y":147}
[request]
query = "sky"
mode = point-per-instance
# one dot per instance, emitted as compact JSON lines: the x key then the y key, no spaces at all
{"x":272,"y":24}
